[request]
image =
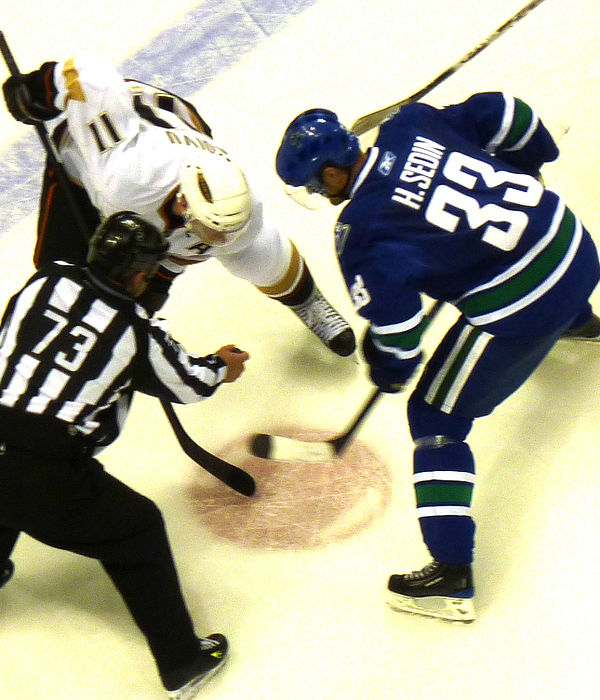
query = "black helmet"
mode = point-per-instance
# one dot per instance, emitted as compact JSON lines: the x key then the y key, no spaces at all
{"x":125,"y":243}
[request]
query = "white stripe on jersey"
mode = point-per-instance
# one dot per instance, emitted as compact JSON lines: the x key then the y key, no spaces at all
{"x":65,"y":294}
{"x":402,"y":327}
{"x":25,"y":302}
{"x":466,"y":368}
{"x":169,"y":377}
{"x":55,"y":382}
{"x":19,"y":381}
{"x":547,"y":283}
{"x":123,"y":352}
{"x":507,"y":121}
{"x":99,"y":316}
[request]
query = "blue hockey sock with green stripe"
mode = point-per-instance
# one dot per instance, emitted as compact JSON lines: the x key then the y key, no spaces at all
{"x":444,"y":476}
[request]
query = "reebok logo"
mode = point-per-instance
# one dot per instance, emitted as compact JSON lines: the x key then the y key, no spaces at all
{"x":387,"y":163}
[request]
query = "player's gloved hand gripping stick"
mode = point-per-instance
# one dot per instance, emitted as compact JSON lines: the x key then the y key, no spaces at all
{"x":229,"y":474}
{"x":289,"y":450}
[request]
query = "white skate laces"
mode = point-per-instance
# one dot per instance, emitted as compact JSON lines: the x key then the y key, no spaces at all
{"x":322,"y":319}
{"x":425,"y":572}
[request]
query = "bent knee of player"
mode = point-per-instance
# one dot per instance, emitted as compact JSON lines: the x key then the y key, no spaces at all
{"x":425,"y":420}
{"x":264,"y":260}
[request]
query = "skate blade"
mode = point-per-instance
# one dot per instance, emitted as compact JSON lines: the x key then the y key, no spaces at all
{"x":190,"y":690}
{"x":443,"y":607}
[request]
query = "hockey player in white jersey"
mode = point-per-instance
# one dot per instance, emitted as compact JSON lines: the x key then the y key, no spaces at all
{"x":128,"y":145}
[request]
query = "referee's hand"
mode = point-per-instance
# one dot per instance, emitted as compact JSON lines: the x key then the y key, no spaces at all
{"x":234,"y":358}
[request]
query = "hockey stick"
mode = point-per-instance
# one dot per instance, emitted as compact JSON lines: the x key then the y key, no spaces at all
{"x":48,"y":145}
{"x":373,"y":119}
{"x":289,"y":450}
{"x":231,"y":475}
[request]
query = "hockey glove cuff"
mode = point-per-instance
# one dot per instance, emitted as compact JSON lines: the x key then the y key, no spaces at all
{"x":29,"y":97}
{"x":387,"y":373}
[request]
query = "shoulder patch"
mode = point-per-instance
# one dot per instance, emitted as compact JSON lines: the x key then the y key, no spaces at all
{"x":341,"y":235}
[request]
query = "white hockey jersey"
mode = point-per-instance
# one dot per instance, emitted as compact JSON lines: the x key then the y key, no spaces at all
{"x":126,"y":143}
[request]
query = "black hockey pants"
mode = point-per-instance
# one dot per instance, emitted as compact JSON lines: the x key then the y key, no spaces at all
{"x":53,"y":490}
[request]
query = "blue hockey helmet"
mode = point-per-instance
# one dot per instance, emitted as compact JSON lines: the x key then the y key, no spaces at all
{"x":314,"y":139}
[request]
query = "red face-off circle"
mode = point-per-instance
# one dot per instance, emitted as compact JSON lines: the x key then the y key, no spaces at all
{"x":297,"y":504}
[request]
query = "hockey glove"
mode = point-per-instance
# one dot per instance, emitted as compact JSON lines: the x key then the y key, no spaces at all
{"x":389,"y":374}
{"x":25,"y":96}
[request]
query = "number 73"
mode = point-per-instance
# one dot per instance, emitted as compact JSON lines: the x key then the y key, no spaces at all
{"x":526,"y":193}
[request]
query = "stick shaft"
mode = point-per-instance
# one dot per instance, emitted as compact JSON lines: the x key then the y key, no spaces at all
{"x":49,"y":147}
{"x":233,"y":476}
{"x":339,"y":443}
{"x":373,"y":119}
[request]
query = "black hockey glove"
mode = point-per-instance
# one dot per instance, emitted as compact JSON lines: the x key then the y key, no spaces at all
{"x":25,"y":96}
{"x":389,"y":379}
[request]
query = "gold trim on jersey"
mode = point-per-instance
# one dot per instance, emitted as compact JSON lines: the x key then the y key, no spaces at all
{"x":71,"y":76}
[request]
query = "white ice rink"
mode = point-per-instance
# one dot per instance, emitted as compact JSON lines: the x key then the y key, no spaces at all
{"x":295,"y":577}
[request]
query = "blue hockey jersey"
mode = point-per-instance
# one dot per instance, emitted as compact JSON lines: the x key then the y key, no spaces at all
{"x":448,"y":204}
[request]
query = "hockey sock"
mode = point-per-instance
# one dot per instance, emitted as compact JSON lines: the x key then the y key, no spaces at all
{"x":295,"y":286}
{"x":444,"y":475}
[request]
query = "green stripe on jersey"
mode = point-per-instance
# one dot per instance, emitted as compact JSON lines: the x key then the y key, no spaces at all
{"x":408,"y":340}
{"x":523,"y":282}
{"x":452,"y":372}
{"x":522,"y":119}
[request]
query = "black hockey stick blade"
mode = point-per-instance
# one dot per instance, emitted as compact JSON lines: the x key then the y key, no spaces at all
{"x":289,"y":450}
{"x":229,"y":474}
{"x":374,"y":119}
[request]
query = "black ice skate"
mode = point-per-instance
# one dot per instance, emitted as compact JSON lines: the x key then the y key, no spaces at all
{"x":437,"y":590}
{"x":589,"y":332}
{"x":6,"y":572}
{"x":325,"y":322}
{"x":186,"y":682}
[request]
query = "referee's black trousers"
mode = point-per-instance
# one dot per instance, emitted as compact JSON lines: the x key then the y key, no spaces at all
{"x":68,"y":501}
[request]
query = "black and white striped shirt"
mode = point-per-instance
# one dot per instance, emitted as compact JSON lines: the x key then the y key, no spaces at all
{"x":76,"y":349}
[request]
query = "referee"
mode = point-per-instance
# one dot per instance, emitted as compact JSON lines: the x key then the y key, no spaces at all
{"x":74,"y":346}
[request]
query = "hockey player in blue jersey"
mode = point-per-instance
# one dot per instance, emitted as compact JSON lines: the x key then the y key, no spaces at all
{"x":449,"y":203}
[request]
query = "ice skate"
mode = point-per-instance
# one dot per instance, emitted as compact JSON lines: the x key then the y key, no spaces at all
{"x":589,"y":332}
{"x":188,"y":681}
{"x":325,"y":322}
{"x":6,"y":572}
{"x":437,"y":590}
